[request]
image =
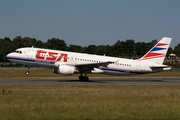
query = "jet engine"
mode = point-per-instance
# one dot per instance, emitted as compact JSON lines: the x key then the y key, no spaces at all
{"x":64,"y":70}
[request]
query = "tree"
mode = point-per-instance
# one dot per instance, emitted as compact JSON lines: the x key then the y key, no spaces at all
{"x":141,"y":48}
{"x":6,"y":47}
{"x":75,"y":48}
{"x":39,"y":44}
{"x":25,"y":42}
{"x":177,"y":50}
{"x":28,"y":42}
{"x":170,"y":50}
{"x":101,"y":50}
{"x":109,"y":51}
{"x":55,"y":43}
{"x":91,"y":49}
{"x":130,"y":48}
{"x":152,"y":43}
{"x":126,"y":48}
{"x":17,"y":42}
{"x":118,"y":49}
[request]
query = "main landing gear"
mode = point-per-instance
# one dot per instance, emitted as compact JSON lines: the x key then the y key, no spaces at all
{"x":84,"y":78}
{"x":27,"y":72}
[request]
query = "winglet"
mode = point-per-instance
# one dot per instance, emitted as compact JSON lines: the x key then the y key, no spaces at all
{"x":158,"y":52}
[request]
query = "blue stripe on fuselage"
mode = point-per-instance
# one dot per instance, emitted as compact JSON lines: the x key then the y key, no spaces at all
{"x":30,"y":60}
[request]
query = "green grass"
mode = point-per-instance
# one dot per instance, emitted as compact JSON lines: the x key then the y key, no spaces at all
{"x":89,"y":102}
{"x":48,"y":74}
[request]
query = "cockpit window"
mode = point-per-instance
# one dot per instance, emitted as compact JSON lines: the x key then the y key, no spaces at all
{"x":17,"y":51}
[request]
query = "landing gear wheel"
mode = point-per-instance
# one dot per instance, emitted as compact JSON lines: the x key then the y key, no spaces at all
{"x":27,"y":72}
{"x":86,"y":78}
{"x":81,"y":78}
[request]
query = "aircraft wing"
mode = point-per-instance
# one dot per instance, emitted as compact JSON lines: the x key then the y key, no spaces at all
{"x":91,"y":66}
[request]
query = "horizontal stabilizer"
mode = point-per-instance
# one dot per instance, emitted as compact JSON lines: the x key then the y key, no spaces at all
{"x":159,"y":66}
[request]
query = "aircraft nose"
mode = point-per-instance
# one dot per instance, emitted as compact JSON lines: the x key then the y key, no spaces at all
{"x":8,"y":55}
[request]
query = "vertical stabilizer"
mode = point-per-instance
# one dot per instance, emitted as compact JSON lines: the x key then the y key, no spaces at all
{"x":158,"y":52}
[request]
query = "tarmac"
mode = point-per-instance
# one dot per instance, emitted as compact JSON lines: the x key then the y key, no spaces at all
{"x":93,"y":81}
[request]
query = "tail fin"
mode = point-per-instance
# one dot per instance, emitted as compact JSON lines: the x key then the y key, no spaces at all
{"x":158,"y":52}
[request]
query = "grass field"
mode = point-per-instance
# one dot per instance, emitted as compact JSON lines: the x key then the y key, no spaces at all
{"x":48,"y":74}
{"x":89,"y":102}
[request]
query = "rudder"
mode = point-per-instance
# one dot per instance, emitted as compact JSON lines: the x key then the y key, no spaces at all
{"x":158,"y":52}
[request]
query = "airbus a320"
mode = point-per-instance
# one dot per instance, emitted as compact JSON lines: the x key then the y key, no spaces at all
{"x":69,"y":63}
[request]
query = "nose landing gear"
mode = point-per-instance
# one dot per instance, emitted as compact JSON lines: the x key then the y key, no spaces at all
{"x":27,"y":72}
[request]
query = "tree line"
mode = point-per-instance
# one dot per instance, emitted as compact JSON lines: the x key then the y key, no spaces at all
{"x":125,"y":49}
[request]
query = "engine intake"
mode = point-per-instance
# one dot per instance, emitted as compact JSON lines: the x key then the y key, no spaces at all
{"x":64,"y":70}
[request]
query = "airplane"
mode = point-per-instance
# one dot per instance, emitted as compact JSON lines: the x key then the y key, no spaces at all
{"x":69,"y":63}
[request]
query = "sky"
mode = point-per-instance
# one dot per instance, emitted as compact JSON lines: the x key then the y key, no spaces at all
{"x":91,"y":22}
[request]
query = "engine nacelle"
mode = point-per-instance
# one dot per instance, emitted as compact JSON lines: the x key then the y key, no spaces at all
{"x":64,"y":70}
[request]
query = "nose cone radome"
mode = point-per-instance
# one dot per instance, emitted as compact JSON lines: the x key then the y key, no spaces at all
{"x":8,"y":56}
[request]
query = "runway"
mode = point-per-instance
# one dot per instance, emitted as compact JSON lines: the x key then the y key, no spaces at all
{"x":93,"y":81}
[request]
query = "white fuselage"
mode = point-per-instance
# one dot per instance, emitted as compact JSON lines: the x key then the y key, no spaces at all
{"x":54,"y":58}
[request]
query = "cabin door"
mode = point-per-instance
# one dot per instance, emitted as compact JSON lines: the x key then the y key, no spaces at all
{"x":30,"y":53}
